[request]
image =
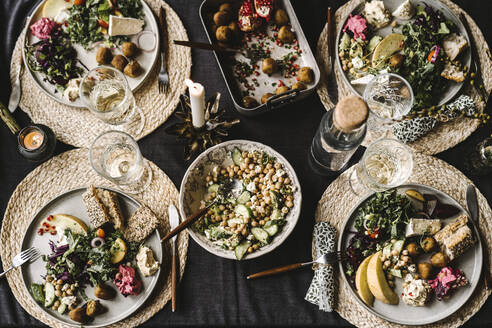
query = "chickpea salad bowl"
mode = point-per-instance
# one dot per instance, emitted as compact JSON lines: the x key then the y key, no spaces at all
{"x":256,"y":220}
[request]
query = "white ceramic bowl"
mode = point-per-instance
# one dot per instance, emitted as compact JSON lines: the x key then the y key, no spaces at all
{"x":193,"y":189}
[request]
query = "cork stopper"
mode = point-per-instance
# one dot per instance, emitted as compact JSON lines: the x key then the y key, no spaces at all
{"x":350,"y":113}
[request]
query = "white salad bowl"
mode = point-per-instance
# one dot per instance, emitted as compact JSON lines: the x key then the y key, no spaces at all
{"x":193,"y":190}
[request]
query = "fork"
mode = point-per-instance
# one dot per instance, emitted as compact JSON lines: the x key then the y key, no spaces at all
{"x":163,"y":78}
{"x":21,"y":258}
{"x":328,"y":258}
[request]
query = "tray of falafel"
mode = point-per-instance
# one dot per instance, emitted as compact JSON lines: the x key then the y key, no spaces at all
{"x":273,"y":65}
{"x":66,"y":38}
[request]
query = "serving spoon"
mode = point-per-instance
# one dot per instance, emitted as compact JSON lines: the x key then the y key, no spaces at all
{"x":230,"y":189}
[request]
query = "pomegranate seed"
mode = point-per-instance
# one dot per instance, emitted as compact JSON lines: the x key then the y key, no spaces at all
{"x":46,"y":229}
{"x":40,"y":232}
{"x":53,"y":232}
{"x":50,"y":218}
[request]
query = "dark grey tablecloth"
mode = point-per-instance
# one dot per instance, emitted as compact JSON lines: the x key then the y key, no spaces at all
{"x":214,"y":291}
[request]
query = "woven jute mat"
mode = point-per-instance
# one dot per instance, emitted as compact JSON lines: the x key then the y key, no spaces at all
{"x":63,"y":173}
{"x":338,"y":201}
{"x":444,"y":136}
{"x":77,"y":126}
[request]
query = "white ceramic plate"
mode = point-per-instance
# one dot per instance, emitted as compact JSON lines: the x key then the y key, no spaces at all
{"x":192,"y":191}
{"x":470,"y":263}
{"x":465,"y":58}
{"x":71,"y":203}
{"x":146,"y":60}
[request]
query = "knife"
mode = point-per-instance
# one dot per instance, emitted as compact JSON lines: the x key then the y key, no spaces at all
{"x":472,"y":203}
{"x":478,"y":83}
{"x":330,"y":39}
{"x":173,"y":222}
{"x":164,"y":47}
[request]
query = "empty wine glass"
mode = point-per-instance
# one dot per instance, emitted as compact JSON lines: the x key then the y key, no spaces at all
{"x":389,"y":97}
{"x":386,"y":163}
{"x":105,"y":91}
{"x":116,"y":157}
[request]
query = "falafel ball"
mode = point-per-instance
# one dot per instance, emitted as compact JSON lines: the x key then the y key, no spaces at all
{"x":129,"y":49}
{"x":282,"y":89}
{"x":234,"y":29}
{"x":286,"y":35}
{"x":269,"y":66}
{"x":226,"y":7}
{"x":249,"y":102}
{"x":306,"y":75}
{"x":223,"y":34}
{"x":222,"y":18}
{"x":299,"y":85}
{"x":266,"y":96}
{"x":103,"y":55}
{"x":133,"y":69}
{"x":280,"y":17}
{"x":119,"y":62}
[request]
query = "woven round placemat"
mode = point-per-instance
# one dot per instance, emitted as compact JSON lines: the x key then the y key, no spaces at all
{"x":337,"y":202}
{"x":60,"y":174}
{"x":444,"y":136}
{"x":77,"y":126}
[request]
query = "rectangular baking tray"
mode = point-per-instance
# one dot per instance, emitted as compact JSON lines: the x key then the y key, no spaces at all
{"x":207,"y":9}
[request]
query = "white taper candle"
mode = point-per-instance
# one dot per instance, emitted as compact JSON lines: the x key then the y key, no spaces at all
{"x":197,"y":101}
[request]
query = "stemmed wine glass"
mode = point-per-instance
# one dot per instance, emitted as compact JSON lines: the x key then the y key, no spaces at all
{"x":105,"y":91}
{"x":386,"y":163}
{"x":116,"y":157}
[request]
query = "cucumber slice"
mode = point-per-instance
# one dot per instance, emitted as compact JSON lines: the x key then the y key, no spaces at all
{"x":276,"y":199}
{"x":272,"y":229}
{"x":49,"y":298}
{"x":398,"y":246}
{"x":213,"y":188}
{"x":260,"y":234}
{"x":237,"y":156}
{"x":244,"y":197}
{"x":396,"y":273}
{"x":241,"y":249}
{"x":233,"y":221}
{"x":243,"y":210}
{"x":62,"y":308}
{"x":37,"y":293}
{"x":276,"y":214}
{"x":387,"y":250}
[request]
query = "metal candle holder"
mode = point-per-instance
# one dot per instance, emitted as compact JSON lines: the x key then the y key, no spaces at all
{"x":199,"y":139}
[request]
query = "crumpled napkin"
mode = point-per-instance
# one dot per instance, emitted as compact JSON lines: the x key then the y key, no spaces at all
{"x":411,"y":130}
{"x":322,"y":290}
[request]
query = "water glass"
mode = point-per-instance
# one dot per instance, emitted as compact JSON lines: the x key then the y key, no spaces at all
{"x":115,"y":156}
{"x":389,"y":98}
{"x":105,"y":91}
{"x":386,"y":163}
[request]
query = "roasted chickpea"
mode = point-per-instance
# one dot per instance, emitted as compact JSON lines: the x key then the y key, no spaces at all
{"x":306,"y":75}
{"x":281,"y":90}
{"x":286,"y":35}
{"x":269,"y":66}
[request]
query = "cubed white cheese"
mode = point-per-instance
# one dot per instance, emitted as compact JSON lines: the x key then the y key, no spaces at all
{"x":363,"y":80}
{"x":251,"y":187}
{"x":357,"y":62}
{"x":124,"y":25}
{"x":405,"y":10}
{"x":422,"y":227}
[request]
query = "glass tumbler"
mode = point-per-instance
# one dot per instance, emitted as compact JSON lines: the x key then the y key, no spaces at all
{"x":389,"y":98}
{"x":386,"y":163}
{"x":105,"y":91}
{"x":115,"y":156}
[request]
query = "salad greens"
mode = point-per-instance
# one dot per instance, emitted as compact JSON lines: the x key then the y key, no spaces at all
{"x":384,"y":215}
{"x":428,"y":30}
{"x":79,"y":262}
{"x":88,"y":23}
{"x":54,"y":57}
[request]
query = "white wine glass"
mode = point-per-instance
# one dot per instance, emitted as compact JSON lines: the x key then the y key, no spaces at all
{"x":115,"y":156}
{"x":106,"y":93}
{"x":386,"y":163}
{"x":389,"y":98}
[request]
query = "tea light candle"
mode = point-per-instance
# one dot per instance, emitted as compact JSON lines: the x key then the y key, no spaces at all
{"x":32,"y":138}
{"x":197,"y":101}
{"x":36,"y":142}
